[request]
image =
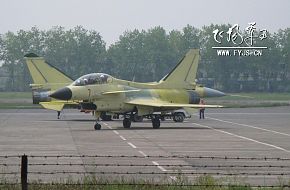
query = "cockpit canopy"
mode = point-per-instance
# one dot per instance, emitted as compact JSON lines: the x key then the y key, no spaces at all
{"x":93,"y":78}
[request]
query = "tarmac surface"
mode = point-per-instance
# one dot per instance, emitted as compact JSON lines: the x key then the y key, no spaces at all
{"x":235,"y":144}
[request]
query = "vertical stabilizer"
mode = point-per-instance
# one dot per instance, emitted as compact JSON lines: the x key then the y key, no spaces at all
{"x":42,"y":72}
{"x":185,"y":71}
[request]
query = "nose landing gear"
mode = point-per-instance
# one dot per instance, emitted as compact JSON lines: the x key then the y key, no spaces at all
{"x":97,"y":126}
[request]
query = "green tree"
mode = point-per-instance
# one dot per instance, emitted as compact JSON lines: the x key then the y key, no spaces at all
{"x":127,"y":55}
{"x":15,"y":46}
{"x":159,"y":57}
{"x":221,"y":68}
{"x":148,"y":56}
{"x":75,"y":52}
{"x":282,"y":37}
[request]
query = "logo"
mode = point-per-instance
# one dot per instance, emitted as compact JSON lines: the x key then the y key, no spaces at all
{"x":243,"y":44}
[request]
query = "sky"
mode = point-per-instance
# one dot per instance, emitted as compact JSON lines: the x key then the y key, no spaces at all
{"x":112,"y":17}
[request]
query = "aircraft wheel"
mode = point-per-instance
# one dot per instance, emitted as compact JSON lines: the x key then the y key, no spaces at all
{"x":97,"y":126}
{"x":126,"y":123}
{"x":178,"y":117}
{"x":156,"y":123}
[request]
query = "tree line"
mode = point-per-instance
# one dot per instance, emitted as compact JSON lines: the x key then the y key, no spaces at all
{"x":147,"y":55}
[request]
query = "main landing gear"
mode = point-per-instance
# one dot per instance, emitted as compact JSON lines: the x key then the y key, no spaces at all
{"x":155,"y":119}
{"x":155,"y":122}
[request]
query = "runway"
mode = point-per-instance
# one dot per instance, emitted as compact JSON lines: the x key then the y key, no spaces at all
{"x":194,"y":147}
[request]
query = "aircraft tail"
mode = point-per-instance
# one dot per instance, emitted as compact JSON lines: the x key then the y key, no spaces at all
{"x":185,"y":71}
{"x":44,"y":74}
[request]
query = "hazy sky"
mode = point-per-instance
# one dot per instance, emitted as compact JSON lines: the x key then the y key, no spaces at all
{"x":112,"y":17}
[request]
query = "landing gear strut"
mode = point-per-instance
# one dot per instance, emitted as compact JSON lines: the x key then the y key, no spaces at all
{"x":58,"y":114}
{"x":127,"y":123}
{"x":155,"y":123}
{"x":97,"y":126}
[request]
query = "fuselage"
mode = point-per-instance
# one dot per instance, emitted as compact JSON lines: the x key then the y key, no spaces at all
{"x":111,"y":95}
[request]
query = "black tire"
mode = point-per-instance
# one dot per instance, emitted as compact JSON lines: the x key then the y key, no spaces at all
{"x":97,"y":126}
{"x":178,"y":117}
{"x":156,"y":123}
{"x":126,"y":123}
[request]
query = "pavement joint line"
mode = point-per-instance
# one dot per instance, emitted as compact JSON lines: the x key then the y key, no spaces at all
{"x":250,"y":126}
{"x":132,"y":145}
{"x":183,"y":170}
{"x":123,"y":138}
{"x":242,"y":137}
{"x":75,"y":144}
{"x":158,"y":166}
{"x":116,"y":132}
{"x":141,"y":152}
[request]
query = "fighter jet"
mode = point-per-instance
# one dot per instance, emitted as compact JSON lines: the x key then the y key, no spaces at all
{"x":101,"y":92}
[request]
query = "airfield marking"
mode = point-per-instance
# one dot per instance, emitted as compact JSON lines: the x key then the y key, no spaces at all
{"x":107,"y":125}
{"x":242,"y":137}
{"x":141,"y":152}
{"x":116,"y":132}
{"x":158,"y":166}
{"x":250,"y":126}
{"x":123,"y":138}
{"x":132,"y":145}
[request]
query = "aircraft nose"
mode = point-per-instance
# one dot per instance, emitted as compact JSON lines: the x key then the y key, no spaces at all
{"x":209,"y":92}
{"x":62,"y":94}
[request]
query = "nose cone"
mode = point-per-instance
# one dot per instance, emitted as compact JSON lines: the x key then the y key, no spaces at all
{"x":212,"y":92}
{"x":62,"y":94}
